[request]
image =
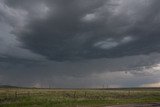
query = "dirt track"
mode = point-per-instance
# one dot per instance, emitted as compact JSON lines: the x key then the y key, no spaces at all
{"x":138,"y":105}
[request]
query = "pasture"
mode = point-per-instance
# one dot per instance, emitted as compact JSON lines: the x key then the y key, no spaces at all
{"x":33,"y":97}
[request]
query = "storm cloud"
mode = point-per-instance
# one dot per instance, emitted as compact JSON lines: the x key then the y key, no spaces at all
{"x":79,"y":38}
{"x":75,"y":29}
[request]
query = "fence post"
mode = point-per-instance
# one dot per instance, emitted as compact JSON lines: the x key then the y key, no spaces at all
{"x":74,"y":95}
{"x":129,"y":92}
{"x":16,"y":94}
{"x":85,"y":94}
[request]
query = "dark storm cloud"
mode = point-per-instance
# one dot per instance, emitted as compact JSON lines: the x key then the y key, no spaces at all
{"x":76,"y":29}
{"x":85,"y":41}
{"x":79,"y":74}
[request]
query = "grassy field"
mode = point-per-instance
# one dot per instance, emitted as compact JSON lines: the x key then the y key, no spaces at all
{"x":21,"y":97}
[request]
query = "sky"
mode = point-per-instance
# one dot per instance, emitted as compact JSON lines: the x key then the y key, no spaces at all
{"x":80,"y":43}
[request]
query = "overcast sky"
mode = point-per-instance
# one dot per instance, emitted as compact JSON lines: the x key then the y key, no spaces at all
{"x":80,"y":43}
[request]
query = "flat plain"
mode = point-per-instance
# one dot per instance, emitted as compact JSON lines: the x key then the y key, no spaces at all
{"x":35,"y":97}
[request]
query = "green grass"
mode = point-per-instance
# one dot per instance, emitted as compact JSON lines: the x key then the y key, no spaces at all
{"x":18,"y":97}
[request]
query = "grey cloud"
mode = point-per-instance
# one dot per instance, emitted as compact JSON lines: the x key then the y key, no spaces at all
{"x":79,"y":38}
{"x":59,"y":36}
{"x":94,"y":72}
{"x":134,"y":64}
{"x":11,"y":49}
{"x":60,"y":74}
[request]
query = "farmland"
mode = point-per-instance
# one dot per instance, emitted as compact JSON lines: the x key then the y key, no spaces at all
{"x":33,"y":97}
